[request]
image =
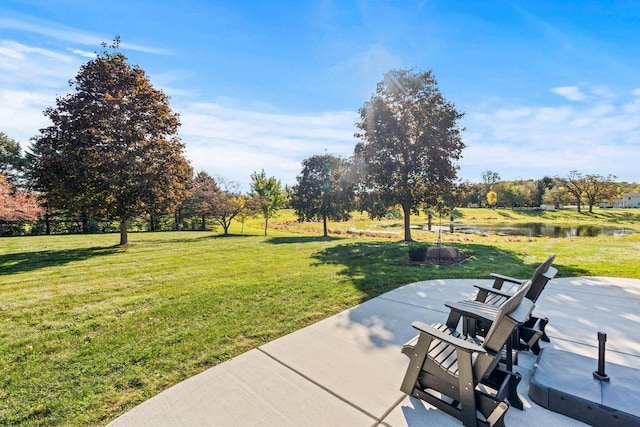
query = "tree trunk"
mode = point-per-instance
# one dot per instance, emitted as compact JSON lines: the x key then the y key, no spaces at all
{"x":204,"y":223}
{"x":85,"y":224}
{"x":266,"y":223}
{"x":124,"y":238}
{"x":406,"y":210}
{"x":324,"y":223}
{"x":153,"y":224}
{"x":47,"y":222}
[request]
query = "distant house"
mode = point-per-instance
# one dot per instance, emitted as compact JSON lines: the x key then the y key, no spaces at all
{"x":548,"y":207}
{"x":631,"y":200}
{"x":616,"y":203}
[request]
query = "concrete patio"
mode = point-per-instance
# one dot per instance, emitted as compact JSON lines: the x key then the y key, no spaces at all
{"x":346,"y":370}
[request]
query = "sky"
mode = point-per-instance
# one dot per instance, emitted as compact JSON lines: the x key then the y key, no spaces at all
{"x":546,"y":87}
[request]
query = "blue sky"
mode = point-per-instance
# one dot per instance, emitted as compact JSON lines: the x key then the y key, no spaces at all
{"x":546,"y":87}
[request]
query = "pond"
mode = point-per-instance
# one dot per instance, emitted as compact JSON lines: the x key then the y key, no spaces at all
{"x":543,"y":230}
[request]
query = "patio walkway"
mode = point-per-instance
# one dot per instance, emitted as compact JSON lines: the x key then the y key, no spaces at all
{"x":346,"y":370}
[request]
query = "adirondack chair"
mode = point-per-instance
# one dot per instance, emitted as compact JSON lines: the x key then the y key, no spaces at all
{"x":463,"y":377}
{"x":541,"y":276}
{"x":528,"y":333}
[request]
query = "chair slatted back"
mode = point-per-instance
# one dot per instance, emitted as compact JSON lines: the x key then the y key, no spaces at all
{"x":499,"y":332}
{"x":539,"y":279}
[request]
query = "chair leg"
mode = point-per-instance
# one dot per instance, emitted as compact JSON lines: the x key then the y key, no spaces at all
{"x":417,"y":356}
{"x":513,"y":397}
{"x":531,"y":332}
{"x":543,"y":324}
{"x":453,"y":319}
{"x":467,"y":389}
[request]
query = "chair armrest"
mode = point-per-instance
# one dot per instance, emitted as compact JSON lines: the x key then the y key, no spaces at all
{"x":474,"y":309}
{"x":494,"y":290}
{"x":523,"y":312}
{"x":550,"y":273}
{"x":502,"y":278}
{"x":449,"y":339}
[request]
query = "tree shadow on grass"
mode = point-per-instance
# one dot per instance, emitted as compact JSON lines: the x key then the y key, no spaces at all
{"x":301,"y":239}
{"x":35,"y":260}
{"x":375,"y":268}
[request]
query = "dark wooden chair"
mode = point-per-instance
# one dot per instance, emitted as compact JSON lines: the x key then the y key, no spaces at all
{"x":528,"y":333}
{"x":463,"y":376}
{"x":539,"y":280}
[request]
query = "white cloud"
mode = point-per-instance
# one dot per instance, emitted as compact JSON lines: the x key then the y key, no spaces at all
{"x":571,"y":93}
{"x":83,"y":53}
{"x":60,"y":32}
{"x":23,"y":66}
{"x":597,"y":136}
{"x":234,"y":142}
{"x":19,"y":51}
{"x":21,"y":113}
{"x":516,"y":113}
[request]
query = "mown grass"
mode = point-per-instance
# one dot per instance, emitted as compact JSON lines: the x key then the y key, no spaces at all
{"x":88,"y":329}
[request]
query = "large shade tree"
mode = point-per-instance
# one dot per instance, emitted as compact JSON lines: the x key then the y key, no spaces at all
{"x":575,"y":183}
{"x":599,"y":188}
{"x":113,"y":149}
{"x":324,"y":190}
{"x":409,"y":144}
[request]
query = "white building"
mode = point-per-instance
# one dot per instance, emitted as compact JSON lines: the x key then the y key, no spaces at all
{"x":631,"y":200}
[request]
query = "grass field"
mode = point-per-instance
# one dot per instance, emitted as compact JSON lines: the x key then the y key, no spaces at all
{"x":88,"y":329}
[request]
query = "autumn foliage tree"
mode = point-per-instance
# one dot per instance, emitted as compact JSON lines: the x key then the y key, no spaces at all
{"x":15,"y":204}
{"x":113,"y":149}
{"x":409,"y":141}
{"x":226,"y":203}
{"x":203,"y":192}
{"x":492,"y":198}
{"x":16,"y":207}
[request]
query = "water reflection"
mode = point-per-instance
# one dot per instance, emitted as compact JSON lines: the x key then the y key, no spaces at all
{"x":542,"y":230}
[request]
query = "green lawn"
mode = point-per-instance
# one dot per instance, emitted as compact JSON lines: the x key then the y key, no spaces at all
{"x":88,"y":330}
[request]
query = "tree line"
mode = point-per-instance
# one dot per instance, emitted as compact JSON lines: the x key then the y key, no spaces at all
{"x":112,"y":158}
{"x":575,"y":188}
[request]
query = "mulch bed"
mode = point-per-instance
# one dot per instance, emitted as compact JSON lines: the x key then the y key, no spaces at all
{"x":437,"y":261}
